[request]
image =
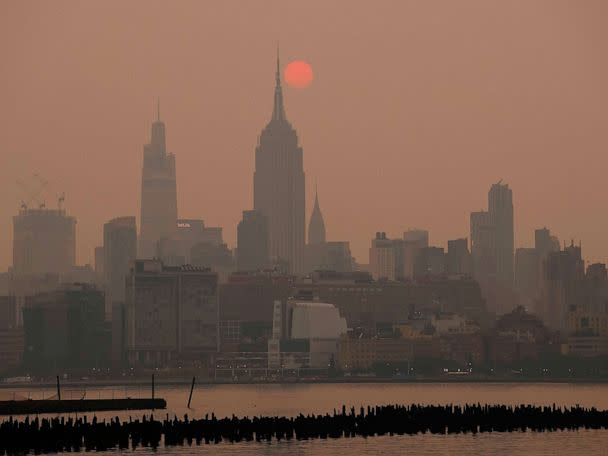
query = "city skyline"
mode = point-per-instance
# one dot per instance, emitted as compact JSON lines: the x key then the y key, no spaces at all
{"x":387,"y":186}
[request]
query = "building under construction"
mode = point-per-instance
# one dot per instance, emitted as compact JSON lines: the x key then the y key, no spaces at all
{"x":44,"y":241}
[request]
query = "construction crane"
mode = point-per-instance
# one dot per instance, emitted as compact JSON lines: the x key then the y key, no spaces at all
{"x":34,"y":190}
{"x":32,"y":193}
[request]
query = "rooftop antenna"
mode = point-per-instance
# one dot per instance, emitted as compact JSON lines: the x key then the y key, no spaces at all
{"x":60,"y":201}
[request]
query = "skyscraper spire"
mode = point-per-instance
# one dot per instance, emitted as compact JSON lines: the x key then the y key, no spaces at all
{"x":278,"y":111}
{"x":158,"y":132}
{"x":316,"y":226}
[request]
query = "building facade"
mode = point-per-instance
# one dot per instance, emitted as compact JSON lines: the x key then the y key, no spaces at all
{"x":158,"y":193}
{"x":44,"y":242}
{"x":252,"y":242}
{"x":279,"y":186}
{"x":65,"y":328}
{"x":171,"y":314}
{"x":119,"y":249}
{"x":382,"y":257}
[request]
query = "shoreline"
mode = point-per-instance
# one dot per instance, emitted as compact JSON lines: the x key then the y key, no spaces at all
{"x":141,"y":382}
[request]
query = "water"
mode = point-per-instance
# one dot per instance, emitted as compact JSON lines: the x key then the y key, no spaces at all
{"x":289,"y":400}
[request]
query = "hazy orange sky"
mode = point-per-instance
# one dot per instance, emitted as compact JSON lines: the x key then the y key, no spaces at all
{"x":417,"y":107}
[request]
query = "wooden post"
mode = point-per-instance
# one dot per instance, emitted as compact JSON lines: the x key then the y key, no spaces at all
{"x":191,"y":389}
{"x":58,"y":389}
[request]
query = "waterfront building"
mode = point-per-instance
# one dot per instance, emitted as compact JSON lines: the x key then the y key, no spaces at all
{"x":64,"y":328}
{"x":171,"y":314}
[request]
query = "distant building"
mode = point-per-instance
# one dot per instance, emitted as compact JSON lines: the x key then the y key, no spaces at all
{"x":527,"y":273}
{"x":586,"y":346}
{"x":458,"y":258}
{"x":316,"y":227}
{"x":279,"y":187}
{"x":158,"y":193}
{"x":252,"y":242}
{"x":382,"y":257}
{"x":588,"y":315}
{"x":11,"y":335}
{"x":217,"y":257}
{"x":65,"y":329}
{"x":246,"y":309}
{"x":492,"y":235}
{"x":563,"y":285}
{"x":430,"y":261}
{"x":99,"y":260}
{"x":305,"y":333}
{"x":492,"y":248}
{"x":120,"y":249}
{"x":8,"y":312}
{"x":417,"y":235}
{"x":320,"y":254}
{"x":407,"y":251}
{"x":519,"y":336}
{"x":188,"y":233}
{"x":44,"y":241}
{"x":500,"y":209}
{"x":329,"y":256}
{"x":171,"y":314}
{"x":373,"y":306}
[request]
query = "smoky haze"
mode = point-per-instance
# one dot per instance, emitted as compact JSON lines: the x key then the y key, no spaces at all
{"x":416,"y":108}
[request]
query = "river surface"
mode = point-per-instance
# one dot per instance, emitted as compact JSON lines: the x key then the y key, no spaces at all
{"x":290,"y":400}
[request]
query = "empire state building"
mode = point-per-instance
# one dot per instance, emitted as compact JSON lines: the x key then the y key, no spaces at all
{"x":278,"y":185}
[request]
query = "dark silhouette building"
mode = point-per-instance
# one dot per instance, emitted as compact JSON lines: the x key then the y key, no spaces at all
{"x":278,"y":185}
{"x":65,"y":328}
{"x":252,"y":242}
{"x":458,"y":258}
{"x":158,"y":193}
{"x":120,"y":249}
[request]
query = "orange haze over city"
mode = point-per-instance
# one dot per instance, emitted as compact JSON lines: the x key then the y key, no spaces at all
{"x":415,"y":110}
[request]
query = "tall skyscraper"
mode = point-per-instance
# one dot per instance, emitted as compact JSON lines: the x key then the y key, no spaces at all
{"x":158,"y":193}
{"x":458,"y":258}
{"x":120,"y":249}
{"x":492,"y":238}
{"x":252,"y":242}
{"x":406,"y":251}
{"x":278,"y":185}
{"x":316,"y":226}
{"x":492,"y":249}
{"x":500,"y":208}
{"x":44,"y":241}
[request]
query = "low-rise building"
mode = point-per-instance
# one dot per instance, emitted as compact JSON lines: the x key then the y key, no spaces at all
{"x":586,"y":346}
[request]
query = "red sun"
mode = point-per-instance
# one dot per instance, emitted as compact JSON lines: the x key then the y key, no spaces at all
{"x":298,"y":74}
